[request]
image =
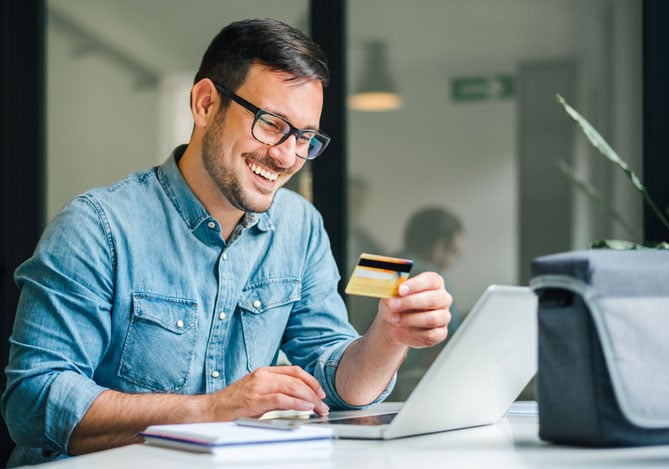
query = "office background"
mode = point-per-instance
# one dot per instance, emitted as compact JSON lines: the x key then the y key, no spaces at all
{"x":93,"y":89}
{"x":117,"y":91}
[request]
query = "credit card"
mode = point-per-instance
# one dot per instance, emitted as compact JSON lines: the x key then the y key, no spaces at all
{"x":378,"y":276}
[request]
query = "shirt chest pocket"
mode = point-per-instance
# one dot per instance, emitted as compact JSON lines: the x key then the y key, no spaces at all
{"x":265,"y":307}
{"x":160,"y":342}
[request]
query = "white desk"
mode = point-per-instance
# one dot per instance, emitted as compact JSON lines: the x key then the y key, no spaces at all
{"x":511,"y":443}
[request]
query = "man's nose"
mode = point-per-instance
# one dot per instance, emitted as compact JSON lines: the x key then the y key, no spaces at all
{"x":285,"y":152}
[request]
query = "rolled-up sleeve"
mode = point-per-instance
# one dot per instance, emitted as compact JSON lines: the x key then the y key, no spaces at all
{"x":325,"y":371}
{"x":61,"y":331}
{"x":57,"y":410}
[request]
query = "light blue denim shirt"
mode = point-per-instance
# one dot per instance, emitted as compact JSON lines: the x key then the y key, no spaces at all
{"x":132,"y":288}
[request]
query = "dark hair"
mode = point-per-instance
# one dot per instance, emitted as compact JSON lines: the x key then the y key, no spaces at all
{"x":266,"y":41}
{"x":427,"y":226}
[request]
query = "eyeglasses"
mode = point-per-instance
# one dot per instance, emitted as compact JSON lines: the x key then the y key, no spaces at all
{"x":272,"y":130}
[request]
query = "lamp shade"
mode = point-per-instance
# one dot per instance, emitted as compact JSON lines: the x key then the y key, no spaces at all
{"x":376,"y":90}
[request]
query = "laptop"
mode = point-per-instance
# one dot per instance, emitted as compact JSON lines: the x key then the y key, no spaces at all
{"x":474,"y":380}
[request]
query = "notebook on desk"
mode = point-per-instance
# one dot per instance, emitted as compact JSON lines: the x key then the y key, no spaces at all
{"x":479,"y":373}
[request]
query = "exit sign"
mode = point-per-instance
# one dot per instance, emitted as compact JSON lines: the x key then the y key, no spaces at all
{"x":482,"y":88}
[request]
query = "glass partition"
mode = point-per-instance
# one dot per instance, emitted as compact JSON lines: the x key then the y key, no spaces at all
{"x":479,"y":169}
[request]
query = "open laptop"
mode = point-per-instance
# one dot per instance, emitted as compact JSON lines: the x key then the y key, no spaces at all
{"x":480,"y":372}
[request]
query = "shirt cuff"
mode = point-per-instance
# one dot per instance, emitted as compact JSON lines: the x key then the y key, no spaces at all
{"x":70,"y":396}
{"x":325,"y":374}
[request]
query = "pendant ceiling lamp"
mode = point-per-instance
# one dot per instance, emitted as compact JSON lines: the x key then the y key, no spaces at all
{"x":376,"y":90}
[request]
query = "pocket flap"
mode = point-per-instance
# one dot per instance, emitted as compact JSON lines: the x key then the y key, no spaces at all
{"x":270,"y":293}
{"x":177,"y":315}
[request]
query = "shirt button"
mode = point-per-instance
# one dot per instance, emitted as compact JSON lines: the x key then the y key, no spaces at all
{"x":225,"y":256}
{"x":211,"y":225}
{"x":221,"y":316}
{"x":256,"y":304}
{"x":215,"y":374}
{"x":180,"y":324}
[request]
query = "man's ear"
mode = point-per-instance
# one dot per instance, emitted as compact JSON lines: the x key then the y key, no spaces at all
{"x":204,"y":102}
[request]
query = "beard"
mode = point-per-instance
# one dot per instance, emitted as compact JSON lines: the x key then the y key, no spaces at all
{"x":225,"y":178}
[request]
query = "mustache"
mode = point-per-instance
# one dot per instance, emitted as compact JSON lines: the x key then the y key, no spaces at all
{"x":266,"y":162}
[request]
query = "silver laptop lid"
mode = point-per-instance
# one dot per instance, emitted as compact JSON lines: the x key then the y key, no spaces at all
{"x":481,"y":370}
{"x":476,"y":377}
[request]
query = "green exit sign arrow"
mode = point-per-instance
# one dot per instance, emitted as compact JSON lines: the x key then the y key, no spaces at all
{"x":482,"y":88}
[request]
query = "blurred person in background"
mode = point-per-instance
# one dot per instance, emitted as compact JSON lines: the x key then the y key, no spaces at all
{"x":433,"y":239}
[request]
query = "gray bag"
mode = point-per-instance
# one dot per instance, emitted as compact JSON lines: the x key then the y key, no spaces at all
{"x":603,"y":374}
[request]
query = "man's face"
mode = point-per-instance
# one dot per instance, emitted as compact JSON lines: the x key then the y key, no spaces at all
{"x":445,"y":254}
{"x":247,"y":172}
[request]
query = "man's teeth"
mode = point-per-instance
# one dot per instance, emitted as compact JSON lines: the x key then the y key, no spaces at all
{"x":263,"y":172}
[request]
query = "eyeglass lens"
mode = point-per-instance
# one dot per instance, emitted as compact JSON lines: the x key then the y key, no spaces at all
{"x":273,"y":130}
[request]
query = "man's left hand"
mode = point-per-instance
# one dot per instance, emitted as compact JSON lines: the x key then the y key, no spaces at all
{"x":418,"y":317}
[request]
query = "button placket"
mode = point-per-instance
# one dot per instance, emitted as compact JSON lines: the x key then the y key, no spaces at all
{"x":216,"y":373}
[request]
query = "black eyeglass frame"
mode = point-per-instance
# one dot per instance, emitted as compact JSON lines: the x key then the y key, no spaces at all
{"x":259,"y":112}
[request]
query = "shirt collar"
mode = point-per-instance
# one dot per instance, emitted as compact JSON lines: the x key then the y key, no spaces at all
{"x":189,"y":206}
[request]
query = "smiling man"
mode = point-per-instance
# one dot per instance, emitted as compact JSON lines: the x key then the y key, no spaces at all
{"x":166,"y":297}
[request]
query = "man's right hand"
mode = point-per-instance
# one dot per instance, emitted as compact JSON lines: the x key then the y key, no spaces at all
{"x":268,"y":388}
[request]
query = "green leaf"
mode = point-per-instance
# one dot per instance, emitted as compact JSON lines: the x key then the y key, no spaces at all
{"x":625,"y":245}
{"x":589,"y":190}
{"x":605,"y":149}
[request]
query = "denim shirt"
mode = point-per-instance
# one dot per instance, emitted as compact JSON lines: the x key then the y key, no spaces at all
{"x":132,"y":288}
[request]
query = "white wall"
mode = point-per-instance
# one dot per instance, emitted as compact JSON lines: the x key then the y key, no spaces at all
{"x":100,"y":126}
{"x":176,"y":121}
